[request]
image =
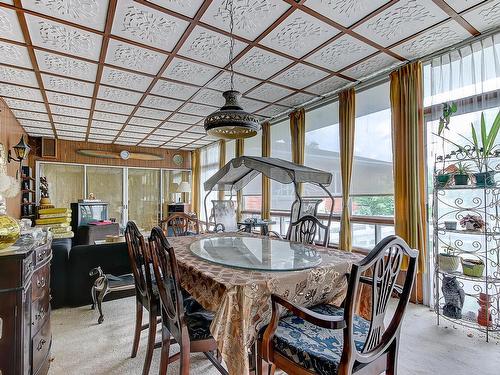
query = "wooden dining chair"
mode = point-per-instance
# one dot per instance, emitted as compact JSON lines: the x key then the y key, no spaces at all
{"x":188,"y":325}
{"x":145,"y":291}
{"x":308,"y":230}
{"x":328,"y":340}
{"x":180,"y":224}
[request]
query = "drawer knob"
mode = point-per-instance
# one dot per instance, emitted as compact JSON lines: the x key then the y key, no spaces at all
{"x":40,"y":315}
{"x":40,"y":344}
{"x":42,"y":255}
{"x":41,"y":282}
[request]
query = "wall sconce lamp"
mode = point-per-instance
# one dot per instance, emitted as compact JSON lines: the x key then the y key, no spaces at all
{"x":21,"y":150}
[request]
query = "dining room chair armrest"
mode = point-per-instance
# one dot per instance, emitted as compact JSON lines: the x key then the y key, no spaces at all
{"x":274,"y":233}
{"x":321,"y":320}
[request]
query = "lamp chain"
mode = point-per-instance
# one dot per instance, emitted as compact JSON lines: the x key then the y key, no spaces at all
{"x":229,"y":8}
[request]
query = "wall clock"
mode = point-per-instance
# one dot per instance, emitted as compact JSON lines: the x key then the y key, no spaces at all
{"x":124,"y":154}
{"x":178,"y":159}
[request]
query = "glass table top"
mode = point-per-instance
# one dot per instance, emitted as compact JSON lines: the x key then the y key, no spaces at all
{"x":256,"y":253}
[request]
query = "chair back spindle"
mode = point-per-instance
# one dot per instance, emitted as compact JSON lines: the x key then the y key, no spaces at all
{"x":307,"y":230}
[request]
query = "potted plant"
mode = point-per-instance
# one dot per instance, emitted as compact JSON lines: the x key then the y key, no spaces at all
{"x":443,"y":176}
{"x":448,"y":261}
{"x":450,"y":225}
{"x":461,"y":176}
{"x":472,"y":223}
{"x":473,"y":267}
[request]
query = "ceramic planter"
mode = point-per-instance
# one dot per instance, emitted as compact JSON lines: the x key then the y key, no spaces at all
{"x":461,"y":179}
{"x":485,"y":179}
{"x":442,"y":180}
{"x":450,"y":225}
{"x":448,"y":263}
{"x":473,"y":268}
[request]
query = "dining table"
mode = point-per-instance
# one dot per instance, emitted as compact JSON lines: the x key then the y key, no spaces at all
{"x":234,"y":274}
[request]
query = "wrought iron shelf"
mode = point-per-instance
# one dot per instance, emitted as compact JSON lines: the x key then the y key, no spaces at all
{"x":471,"y":232}
{"x":469,"y":323}
{"x":465,"y":187}
{"x":460,"y":275}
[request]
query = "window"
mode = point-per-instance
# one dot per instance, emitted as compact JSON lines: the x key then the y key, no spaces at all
{"x":282,"y":195}
{"x":372,"y":184}
{"x":107,"y":184}
{"x":144,"y":197}
{"x":209,"y":163}
{"x":65,"y":181}
{"x":252,"y":193}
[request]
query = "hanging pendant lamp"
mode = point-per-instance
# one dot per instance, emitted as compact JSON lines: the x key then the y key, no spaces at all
{"x":231,"y":121}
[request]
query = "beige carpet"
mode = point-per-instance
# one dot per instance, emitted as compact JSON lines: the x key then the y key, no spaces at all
{"x":81,"y":346}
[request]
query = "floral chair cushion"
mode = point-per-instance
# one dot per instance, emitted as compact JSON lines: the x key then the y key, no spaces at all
{"x":314,"y":348}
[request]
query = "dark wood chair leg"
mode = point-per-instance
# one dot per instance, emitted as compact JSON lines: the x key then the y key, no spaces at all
{"x":151,"y":342}
{"x":185,"y":353}
{"x":165,"y":350}
{"x":138,"y":328}
{"x":392,"y":359}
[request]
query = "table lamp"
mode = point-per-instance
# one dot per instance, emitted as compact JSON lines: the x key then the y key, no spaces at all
{"x":184,"y":187}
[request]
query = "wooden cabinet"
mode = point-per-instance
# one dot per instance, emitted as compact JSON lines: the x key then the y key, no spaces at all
{"x":25,"y":334}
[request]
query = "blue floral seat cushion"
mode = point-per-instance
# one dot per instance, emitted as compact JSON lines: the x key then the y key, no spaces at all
{"x":314,"y":348}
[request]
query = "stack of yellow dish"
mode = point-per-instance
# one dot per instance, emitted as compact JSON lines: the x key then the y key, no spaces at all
{"x":57,"y":219}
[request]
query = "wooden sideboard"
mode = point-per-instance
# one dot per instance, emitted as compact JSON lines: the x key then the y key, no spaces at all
{"x":25,"y":334}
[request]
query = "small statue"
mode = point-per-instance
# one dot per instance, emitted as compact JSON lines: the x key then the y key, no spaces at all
{"x":91,"y":197}
{"x":454,"y":297}
{"x":44,"y":187}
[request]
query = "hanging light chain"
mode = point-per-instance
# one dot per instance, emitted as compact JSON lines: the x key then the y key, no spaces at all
{"x":229,"y":8}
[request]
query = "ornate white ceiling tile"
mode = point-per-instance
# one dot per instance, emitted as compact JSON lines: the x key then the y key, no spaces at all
{"x":106,"y":125}
{"x":341,"y":52}
{"x":150,"y":123}
{"x":185,"y":119}
{"x":26,"y":105}
{"x":70,"y":134}
{"x":152,"y":113}
{"x":174,"y":90}
{"x":432,"y":40}
{"x":70,"y":86}
{"x":461,"y":5}
{"x":124,"y":79}
{"x":113,"y":117}
{"x":110,"y":132}
{"x":251,"y":105}
{"x":101,"y":139}
{"x":158,"y":102}
{"x":133,"y":57}
{"x":209,"y":47}
{"x":18,"y":76}
{"x":119,"y":95}
{"x":38,"y":132}
{"x":73,"y":128}
{"x":72,"y":138}
{"x":69,"y":100}
{"x":190,"y":135}
{"x":211,"y":97}
{"x":241,"y":83}
{"x":185,"y":7}
{"x":345,"y":12}
{"x":174,"y":145}
{"x":67,"y":111}
{"x":404,"y":18}
{"x":90,"y":13}
{"x":130,"y":136}
{"x":167,"y":132}
{"x":63,"y":38}
{"x":14,"y":55}
{"x":299,"y":34}
{"x":146,"y":25}
{"x":157,"y":138}
{"x":152,"y":143}
{"x":485,"y":17}
{"x":35,"y":123}
{"x":66,"y":66}
{"x":269,"y":92}
{"x":187,"y":71}
{"x":174,"y":126}
{"x":297,"y":99}
{"x":261,"y":63}
{"x":197,"y":109}
{"x":251,"y":17}
{"x":299,"y":76}
{"x":182,"y":139}
{"x":374,"y":65}
{"x":18,"y":92}
{"x":104,"y":106}
{"x":136,"y":129}
{"x":70,"y":120}
{"x":273,"y":110}
{"x":9,"y":25}
{"x":328,"y":86}
{"x":126,"y":141}
{"x":30,"y":115}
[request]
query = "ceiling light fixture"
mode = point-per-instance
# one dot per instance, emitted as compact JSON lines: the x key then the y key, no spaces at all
{"x":231,"y":121}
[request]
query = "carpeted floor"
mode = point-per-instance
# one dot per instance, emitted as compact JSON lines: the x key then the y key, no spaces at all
{"x":81,"y":346}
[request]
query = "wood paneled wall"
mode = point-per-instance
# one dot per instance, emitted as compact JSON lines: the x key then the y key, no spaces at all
{"x":10,"y":133}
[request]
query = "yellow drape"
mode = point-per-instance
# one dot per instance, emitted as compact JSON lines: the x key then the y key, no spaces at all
{"x":347,"y":115}
{"x":222,"y":161}
{"x":195,"y":183}
{"x":239,"y":151}
{"x":298,"y":134}
{"x":409,"y":157}
{"x":266,"y":184}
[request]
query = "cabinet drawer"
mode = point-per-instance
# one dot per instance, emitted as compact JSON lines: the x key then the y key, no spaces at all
{"x":40,"y":282}
{"x":42,"y":253}
{"x":39,"y":312}
{"x":40,"y":346}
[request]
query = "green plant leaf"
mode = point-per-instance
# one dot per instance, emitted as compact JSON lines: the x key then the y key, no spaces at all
{"x":492,"y":136}
{"x":441,"y":126}
{"x":484,"y":136}
{"x":453,"y":107}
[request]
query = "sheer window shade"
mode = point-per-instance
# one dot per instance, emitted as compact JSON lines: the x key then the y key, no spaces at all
{"x":209,"y":164}
{"x":282,"y":196}
{"x":252,"y":193}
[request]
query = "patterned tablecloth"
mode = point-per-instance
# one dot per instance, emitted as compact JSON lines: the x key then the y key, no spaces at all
{"x":241,"y":298}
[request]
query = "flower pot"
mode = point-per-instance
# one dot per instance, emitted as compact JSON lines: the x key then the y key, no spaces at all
{"x":471,"y":227}
{"x":447,"y":262}
{"x":485,"y":179}
{"x":461,"y":179}
{"x":473,"y":268}
{"x":450,"y":225}
{"x":442,"y":180}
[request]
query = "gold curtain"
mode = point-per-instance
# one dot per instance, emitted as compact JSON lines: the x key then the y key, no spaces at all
{"x":239,"y":151}
{"x":266,"y":184}
{"x":347,"y":116}
{"x":222,"y":161}
{"x":195,"y":181}
{"x":409,"y":157}
{"x":298,"y":134}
